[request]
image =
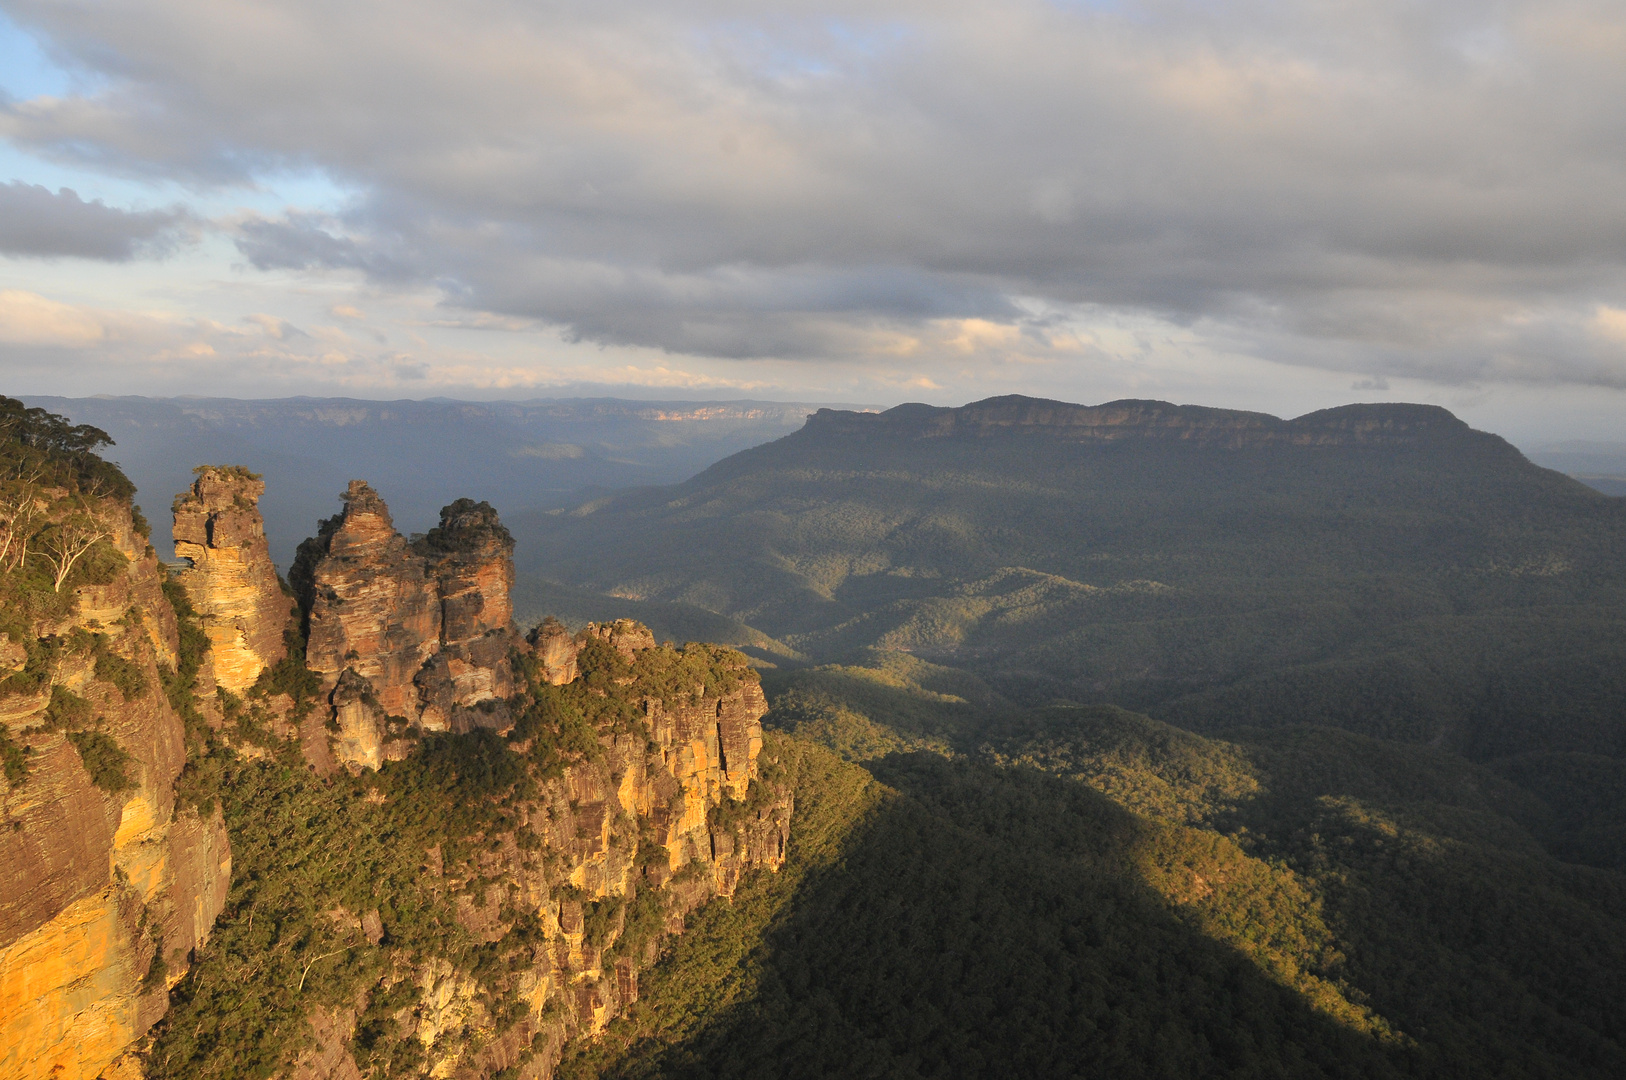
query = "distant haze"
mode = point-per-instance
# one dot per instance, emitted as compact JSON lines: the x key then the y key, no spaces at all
{"x":521,"y":456}
{"x":420,"y":455}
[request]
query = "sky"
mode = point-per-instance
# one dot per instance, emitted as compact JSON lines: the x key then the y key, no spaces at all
{"x":1258,"y":205}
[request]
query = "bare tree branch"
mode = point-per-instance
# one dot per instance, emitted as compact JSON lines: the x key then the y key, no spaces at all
{"x":63,"y":545}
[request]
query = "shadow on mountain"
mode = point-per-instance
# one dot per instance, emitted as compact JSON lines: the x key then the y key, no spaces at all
{"x":982,"y":889}
{"x":979,"y":921}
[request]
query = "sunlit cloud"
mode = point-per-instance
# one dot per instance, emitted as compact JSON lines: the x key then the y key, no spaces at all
{"x":29,"y":319}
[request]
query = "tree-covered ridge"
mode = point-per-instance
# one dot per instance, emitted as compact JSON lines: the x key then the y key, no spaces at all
{"x":56,"y":452}
{"x":349,"y":892}
{"x":59,"y":502}
{"x":1437,"y":587}
{"x":1084,"y":891}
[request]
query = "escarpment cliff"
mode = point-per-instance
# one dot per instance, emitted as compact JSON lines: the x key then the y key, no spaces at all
{"x":518,"y":821}
{"x":457,"y":846}
{"x":108,"y":883}
{"x":1140,"y":421}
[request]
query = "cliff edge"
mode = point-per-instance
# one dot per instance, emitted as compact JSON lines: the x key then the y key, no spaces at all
{"x":108,"y":884}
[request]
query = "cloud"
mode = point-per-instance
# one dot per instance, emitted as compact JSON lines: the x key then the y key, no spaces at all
{"x":1379,"y":189}
{"x":30,"y":319}
{"x":1609,"y":323}
{"x":34,"y":222}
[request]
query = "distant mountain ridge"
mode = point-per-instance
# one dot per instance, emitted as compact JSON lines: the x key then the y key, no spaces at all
{"x":1379,"y":424}
{"x":1380,"y":567}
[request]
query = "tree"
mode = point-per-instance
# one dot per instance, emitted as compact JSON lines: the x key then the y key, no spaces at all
{"x":63,"y":544}
{"x":19,"y":507}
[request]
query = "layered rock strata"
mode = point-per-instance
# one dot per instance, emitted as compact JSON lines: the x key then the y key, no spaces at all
{"x":106,"y":887}
{"x":231,"y":581}
{"x":414,"y":637}
{"x":555,"y":651}
{"x":647,"y":796}
{"x":427,"y":626}
{"x":471,"y":558}
{"x":671,"y":812}
{"x":369,"y":602}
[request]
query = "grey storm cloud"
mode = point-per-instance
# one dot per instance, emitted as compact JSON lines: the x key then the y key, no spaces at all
{"x":36,"y":222}
{"x":1399,"y":188}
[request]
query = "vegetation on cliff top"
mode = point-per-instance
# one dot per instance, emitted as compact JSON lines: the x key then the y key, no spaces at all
{"x":1084,"y":891}
{"x":312,"y":856}
{"x":56,"y":500}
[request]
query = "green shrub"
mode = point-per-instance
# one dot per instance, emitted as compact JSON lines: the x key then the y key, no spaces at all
{"x":122,"y":673}
{"x":104,"y":759}
{"x":67,"y":710}
{"x":157,"y":971}
{"x":13,"y":757}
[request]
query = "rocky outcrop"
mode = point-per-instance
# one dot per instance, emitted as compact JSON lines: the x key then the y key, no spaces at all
{"x":471,"y":558}
{"x":666,"y":814}
{"x":555,"y":651}
{"x":106,"y":885}
{"x":660,"y":799}
{"x":623,"y":635}
{"x":231,"y":581}
{"x":426,"y":626}
{"x":369,"y":602}
{"x":642,"y":794}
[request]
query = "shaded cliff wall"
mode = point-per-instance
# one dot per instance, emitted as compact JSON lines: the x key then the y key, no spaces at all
{"x":106,"y":885}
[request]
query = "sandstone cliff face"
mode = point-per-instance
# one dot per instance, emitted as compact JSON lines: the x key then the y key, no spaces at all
{"x":369,"y":601}
{"x":669,"y":813}
{"x":105,"y":888}
{"x":427,"y":626}
{"x":471,"y":557}
{"x":555,"y":651}
{"x":414,"y":638}
{"x":645,"y":796}
{"x":232,"y":583}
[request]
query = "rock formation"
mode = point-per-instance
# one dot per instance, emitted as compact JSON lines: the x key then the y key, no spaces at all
{"x":471,"y":557}
{"x":106,"y":885}
{"x":231,"y":583}
{"x":411,"y":638}
{"x":555,"y":651}
{"x":369,"y":602}
{"x":426,"y":626}
{"x":662,"y":812}
{"x":642,"y":798}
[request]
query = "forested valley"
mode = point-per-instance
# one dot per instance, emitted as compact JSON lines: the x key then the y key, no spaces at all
{"x":1140,"y":741}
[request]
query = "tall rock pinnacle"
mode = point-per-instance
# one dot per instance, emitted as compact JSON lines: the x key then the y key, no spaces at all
{"x":232,"y":583}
